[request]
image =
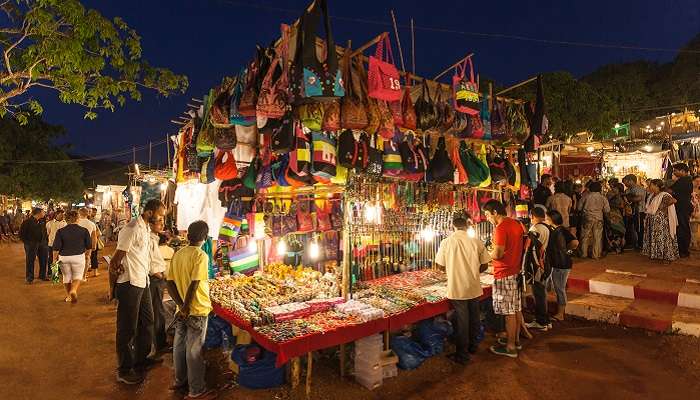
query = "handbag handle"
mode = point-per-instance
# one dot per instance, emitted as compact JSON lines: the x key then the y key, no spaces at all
{"x":386,"y":56}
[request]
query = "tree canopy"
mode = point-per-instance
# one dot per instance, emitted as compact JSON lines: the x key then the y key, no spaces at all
{"x":86,"y":58}
{"x":56,"y":177}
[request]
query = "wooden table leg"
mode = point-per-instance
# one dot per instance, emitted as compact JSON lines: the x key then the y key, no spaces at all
{"x":342,"y":360}
{"x":309,"y":367}
{"x":386,"y":340}
{"x":295,"y":372}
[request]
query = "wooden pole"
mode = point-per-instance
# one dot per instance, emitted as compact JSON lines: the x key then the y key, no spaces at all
{"x":398,"y":40}
{"x":167,"y":145}
{"x":413,"y":48}
{"x":448,"y":69}
{"x":517,"y":85}
{"x":295,"y":372}
{"x":365,"y":46}
{"x":342,"y":360}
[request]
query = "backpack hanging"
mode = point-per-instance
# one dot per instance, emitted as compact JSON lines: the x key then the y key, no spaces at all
{"x":249,"y":96}
{"x":440,"y":168}
{"x":425,"y":109}
{"x":347,"y":149}
{"x":386,"y":120}
{"x":219,"y":115}
{"x":251,"y":173}
{"x":374,"y":158}
{"x":392,"y":165}
{"x":353,"y":110}
{"x":465,"y":92}
{"x":383,"y":77}
{"x":273,"y":99}
{"x":225,"y":166}
{"x":314,"y":79}
{"x":324,"y":157}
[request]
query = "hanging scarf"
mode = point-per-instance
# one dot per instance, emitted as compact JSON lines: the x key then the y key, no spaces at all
{"x":653,"y":206}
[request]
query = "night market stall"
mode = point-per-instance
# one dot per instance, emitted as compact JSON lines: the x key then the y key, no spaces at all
{"x":327,"y":187}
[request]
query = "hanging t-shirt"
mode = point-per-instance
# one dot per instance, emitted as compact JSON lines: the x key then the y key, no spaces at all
{"x":189,"y":198}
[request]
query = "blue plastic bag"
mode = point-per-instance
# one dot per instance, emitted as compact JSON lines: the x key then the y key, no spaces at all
{"x":432,"y":334}
{"x":411,"y":354}
{"x":259,"y":374}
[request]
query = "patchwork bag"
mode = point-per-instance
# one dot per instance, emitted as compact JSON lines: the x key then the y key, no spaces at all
{"x":231,"y":226}
{"x":392,"y":165}
{"x":235,"y":117}
{"x":243,"y":259}
{"x":324,"y":157}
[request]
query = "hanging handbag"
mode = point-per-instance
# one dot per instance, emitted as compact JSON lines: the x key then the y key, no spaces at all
{"x":273,"y":100}
{"x":374,"y":117}
{"x":443,"y":111}
{"x":283,"y":135}
{"x":314,"y":79}
{"x":330,"y":245}
{"x":518,"y":127}
{"x":477,"y":171}
{"x":331,"y":116}
{"x":486,"y":118}
{"x":225,"y":166}
{"x":484,"y":161}
{"x":244,"y":259}
{"x":425,"y":109}
{"x":407,"y":110}
{"x":251,"y":173}
{"x":279,"y":167}
{"x":392,"y":164}
{"x":264,"y":179}
{"x":289,"y":220}
{"x":347,"y":149}
{"x":497,"y":167}
{"x":311,"y":116}
{"x":323,"y":217}
{"x":225,"y":138}
{"x":249,"y":96}
{"x":353,"y":110}
{"x":231,"y":225}
{"x":235,"y":117}
{"x":305,"y":222}
{"x":207,"y":170}
{"x":374,"y":158}
{"x":336,"y":215}
{"x":383,"y":78}
{"x":396,"y":112}
{"x":461,"y":175}
{"x":246,"y":143}
{"x":298,"y":173}
{"x":386,"y":120}
{"x":477,"y":127}
{"x":440,"y":168}
{"x":412,"y":160}
{"x":219,"y":115}
{"x":324,"y":157}
{"x":498,"y":121}
{"x":465,"y":92}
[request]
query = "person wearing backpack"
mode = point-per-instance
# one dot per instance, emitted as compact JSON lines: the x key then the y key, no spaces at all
{"x":561,"y":241}
{"x":539,"y":280}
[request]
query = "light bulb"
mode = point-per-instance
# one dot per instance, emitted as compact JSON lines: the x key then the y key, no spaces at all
{"x":427,"y":234}
{"x":471,"y":232}
{"x":252,"y":246}
{"x":314,"y":250}
{"x":578,"y":181}
{"x":281,"y":247}
{"x":370,"y":213}
{"x":647,"y":148}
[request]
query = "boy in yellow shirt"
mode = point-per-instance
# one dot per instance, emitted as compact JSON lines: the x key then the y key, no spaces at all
{"x":189,"y":287}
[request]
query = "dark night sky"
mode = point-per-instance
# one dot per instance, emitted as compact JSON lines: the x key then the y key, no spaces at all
{"x":207,"y":39}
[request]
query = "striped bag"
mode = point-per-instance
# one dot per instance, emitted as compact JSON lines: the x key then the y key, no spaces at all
{"x":392,"y":164}
{"x":231,"y":226}
{"x":324,"y":157}
{"x":243,"y":259}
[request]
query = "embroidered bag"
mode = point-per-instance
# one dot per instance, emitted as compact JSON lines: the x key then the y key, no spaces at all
{"x":407,"y":109}
{"x":331,"y":116}
{"x":383,"y":78}
{"x":235,"y":117}
{"x":465,"y":92}
{"x":225,"y":138}
{"x":353,"y":110}
{"x":225,"y":166}
{"x":298,"y":171}
{"x":314,"y":79}
{"x":311,"y":115}
{"x":283,"y":135}
{"x":273,"y":99}
{"x":386,"y":120}
{"x":498,"y":121}
{"x":392,"y":163}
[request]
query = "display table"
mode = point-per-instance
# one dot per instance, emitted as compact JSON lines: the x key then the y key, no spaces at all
{"x":299,"y":346}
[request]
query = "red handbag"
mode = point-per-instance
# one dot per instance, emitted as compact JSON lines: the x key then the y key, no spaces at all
{"x":305,"y":222}
{"x":383,"y":80}
{"x":225,"y":168}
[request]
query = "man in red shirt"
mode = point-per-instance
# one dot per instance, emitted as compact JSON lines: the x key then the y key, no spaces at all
{"x":507,"y":255}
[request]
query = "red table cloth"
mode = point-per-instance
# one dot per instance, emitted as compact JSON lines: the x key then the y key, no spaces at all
{"x":322,"y":340}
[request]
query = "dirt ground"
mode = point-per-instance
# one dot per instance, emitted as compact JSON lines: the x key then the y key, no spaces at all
{"x":53,"y":350}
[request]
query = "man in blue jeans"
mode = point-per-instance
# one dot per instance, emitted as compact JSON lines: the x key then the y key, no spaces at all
{"x":188,"y":284}
{"x":33,"y":234}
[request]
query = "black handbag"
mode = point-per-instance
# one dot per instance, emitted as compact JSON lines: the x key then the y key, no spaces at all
{"x":283,"y":135}
{"x":440,"y":167}
{"x":425,"y":109}
{"x":374,"y":159}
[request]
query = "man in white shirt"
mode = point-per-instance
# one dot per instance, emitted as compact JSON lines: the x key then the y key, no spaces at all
{"x":52,"y":227}
{"x":539,"y":289}
{"x":464,"y":257}
{"x":129,"y":269}
{"x":84,"y":221}
{"x":157,"y":286}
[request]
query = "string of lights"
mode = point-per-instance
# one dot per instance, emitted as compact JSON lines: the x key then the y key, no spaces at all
{"x":91,"y":158}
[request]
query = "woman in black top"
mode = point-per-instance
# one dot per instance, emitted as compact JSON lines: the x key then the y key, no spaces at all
{"x":560,"y":242}
{"x":72,"y":247}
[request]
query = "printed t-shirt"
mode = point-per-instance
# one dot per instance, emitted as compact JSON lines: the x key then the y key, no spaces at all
{"x":192,"y":264}
{"x":509,"y":234}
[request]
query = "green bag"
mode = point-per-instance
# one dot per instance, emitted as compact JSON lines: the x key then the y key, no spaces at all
{"x":251,"y":173}
{"x":476,"y":169}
